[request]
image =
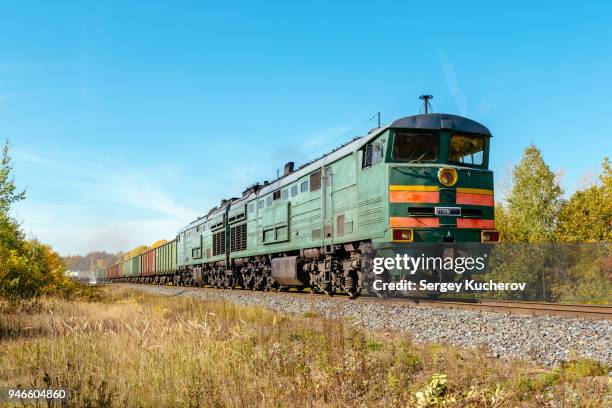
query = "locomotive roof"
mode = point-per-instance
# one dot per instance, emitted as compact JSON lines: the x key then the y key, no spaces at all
{"x":441,"y":121}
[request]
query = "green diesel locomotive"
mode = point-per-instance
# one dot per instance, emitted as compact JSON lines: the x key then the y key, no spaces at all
{"x":421,"y":179}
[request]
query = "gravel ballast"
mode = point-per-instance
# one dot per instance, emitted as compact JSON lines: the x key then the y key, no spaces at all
{"x":546,"y":340}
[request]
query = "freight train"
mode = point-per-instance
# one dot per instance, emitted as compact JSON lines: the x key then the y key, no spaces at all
{"x":421,"y":179}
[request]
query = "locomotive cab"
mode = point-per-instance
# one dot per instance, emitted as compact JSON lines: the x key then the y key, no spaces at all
{"x":440,"y":188}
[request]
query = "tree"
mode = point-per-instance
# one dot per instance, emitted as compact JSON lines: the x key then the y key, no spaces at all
{"x":27,"y":267}
{"x":136,"y":251}
{"x":10,"y":234}
{"x":8,"y":196}
{"x":33,"y":270}
{"x":587,"y":218}
{"x":82,"y":263}
{"x":587,"y":215}
{"x":528,"y":220}
{"x":101,"y":264}
{"x":158,"y":243}
{"x":533,"y":202}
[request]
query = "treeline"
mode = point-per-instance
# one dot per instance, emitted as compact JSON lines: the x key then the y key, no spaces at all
{"x":101,"y":259}
{"x":91,"y":261}
{"x":559,"y":246}
{"x":535,"y":210}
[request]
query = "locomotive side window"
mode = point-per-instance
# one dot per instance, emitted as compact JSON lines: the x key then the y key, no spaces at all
{"x":304,"y":186}
{"x":373,"y":154}
{"x":416,"y":147}
{"x":367,"y":157}
{"x":294,"y":191}
{"x":261,"y":204}
{"x":315,"y":181}
{"x":284,"y":194}
{"x":377,"y":153}
{"x":251,"y":208}
{"x":466,"y":150}
{"x":269,"y":201}
{"x":276,"y":195}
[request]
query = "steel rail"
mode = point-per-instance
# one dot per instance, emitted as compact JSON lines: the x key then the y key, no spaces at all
{"x":598,"y":312}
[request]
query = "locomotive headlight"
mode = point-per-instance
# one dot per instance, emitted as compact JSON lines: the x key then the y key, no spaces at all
{"x":448,"y":176}
{"x":489,"y":236}
{"x":402,"y":235}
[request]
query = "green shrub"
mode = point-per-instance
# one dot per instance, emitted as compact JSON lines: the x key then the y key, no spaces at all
{"x":583,"y":367}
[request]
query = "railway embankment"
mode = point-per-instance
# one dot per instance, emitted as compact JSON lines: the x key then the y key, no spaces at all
{"x":543,"y":339}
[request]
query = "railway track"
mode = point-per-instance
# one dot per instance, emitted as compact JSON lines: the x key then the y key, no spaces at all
{"x":598,"y":312}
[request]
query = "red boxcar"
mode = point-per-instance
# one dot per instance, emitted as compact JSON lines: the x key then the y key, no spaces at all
{"x":148,"y":263}
{"x":113,"y":272}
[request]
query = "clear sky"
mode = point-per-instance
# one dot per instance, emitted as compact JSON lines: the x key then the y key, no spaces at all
{"x":128,"y":119}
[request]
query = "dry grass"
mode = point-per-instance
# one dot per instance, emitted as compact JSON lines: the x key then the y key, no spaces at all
{"x":133,"y":349}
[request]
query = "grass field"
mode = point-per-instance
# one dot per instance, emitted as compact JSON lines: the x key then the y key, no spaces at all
{"x":126,"y":348}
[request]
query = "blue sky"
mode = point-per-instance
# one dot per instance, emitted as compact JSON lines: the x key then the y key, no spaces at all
{"x":128,"y":120}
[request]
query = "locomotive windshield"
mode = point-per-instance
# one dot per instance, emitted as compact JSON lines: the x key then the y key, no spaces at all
{"x":466,"y":150}
{"x":416,"y":147}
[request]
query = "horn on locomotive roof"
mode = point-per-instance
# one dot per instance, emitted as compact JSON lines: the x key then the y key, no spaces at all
{"x":426,"y":105}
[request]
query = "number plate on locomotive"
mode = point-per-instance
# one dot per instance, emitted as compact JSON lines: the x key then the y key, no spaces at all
{"x":448,"y":211}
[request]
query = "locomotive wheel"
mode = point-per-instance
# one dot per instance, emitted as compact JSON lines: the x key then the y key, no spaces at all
{"x":383,"y":294}
{"x":328,"y":290}
{"x":354,"y":294}
{"x":246,"y":281}
{"x":350,"y":285}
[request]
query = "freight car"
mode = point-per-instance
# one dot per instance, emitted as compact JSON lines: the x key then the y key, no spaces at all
{"x":421,"y":179}
{"x":157,"y":266}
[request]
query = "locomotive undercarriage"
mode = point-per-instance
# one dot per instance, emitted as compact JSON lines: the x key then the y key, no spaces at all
{"x":329,"y":269}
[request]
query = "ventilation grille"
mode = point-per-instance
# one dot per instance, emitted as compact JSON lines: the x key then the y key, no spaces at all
{"x":218,"y":243}
{"x":238,"y":238}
